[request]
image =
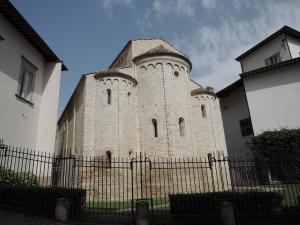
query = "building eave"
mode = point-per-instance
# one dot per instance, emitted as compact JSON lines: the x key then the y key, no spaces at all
{"x":271,"y":67}
{"x":284,"y":30}
{"x":225,"y":91}
{"x":83,"y":77}
{"x":12,"y":15}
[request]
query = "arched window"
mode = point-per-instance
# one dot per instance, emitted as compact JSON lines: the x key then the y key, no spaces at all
{"x":154,"y":123}
{"x":203,"y":110}
{"x":181,"y":127}
{"x":108,"y":96}
{"x":108,"y":155}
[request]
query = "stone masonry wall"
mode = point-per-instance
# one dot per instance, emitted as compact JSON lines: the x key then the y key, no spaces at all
{"x":70,"y":132}
{"x":208,"y":133}
{"x":110,"y":127}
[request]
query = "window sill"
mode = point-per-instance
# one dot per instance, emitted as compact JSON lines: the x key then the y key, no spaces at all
{"x":24,"y":99}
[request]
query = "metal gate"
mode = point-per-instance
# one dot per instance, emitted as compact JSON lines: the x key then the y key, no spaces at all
{"x":141,"y":182}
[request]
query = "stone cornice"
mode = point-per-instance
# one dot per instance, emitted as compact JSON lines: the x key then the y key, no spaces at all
{"x":202,"y":91}
{"x":108,"y":73}
{"x":157,"y":54}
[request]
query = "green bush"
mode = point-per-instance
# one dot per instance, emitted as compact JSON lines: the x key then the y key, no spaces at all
{"x":277,"y":153}
{"x":40,"y":199}
{"x":205,"y":207}
{"x":11,"y":177}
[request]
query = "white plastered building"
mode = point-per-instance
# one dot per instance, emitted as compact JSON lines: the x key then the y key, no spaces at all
{"x":266,"y":97}
{"x":29,"y":84}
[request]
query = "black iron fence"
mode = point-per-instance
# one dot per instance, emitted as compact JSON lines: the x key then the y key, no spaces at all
{"x":204,"y":190}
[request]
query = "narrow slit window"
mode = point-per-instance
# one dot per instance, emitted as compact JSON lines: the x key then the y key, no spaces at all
{"x":203,"y":110}
{"x":154,"y":123}
{"x":181,"y":127}
{"x":128,"y":95}
{"x":210,"y":160}
{"x":109,"y":155}
{"x":108,"y":96}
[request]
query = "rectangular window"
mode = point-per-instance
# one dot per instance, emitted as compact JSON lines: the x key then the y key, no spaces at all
{"x":26,"y":82}
{"x":246,"y":127}
{"x":273,"y":59}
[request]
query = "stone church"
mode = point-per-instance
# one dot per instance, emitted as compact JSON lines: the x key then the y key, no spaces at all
{"x":144,"y":102}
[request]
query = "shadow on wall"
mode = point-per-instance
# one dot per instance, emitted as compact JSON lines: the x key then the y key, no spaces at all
{"x":275,"y":78}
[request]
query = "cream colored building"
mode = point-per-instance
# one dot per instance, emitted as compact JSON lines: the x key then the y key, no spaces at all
{"x":145,"y":102}
{"x":29,"y":84}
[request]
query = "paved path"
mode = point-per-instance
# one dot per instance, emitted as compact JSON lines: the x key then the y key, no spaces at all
{"x":9,"y":217}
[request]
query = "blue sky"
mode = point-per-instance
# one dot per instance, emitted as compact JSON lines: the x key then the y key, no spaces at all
{"x":88,"y":34}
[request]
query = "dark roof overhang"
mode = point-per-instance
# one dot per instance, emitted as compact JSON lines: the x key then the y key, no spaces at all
{"x":284,"y":30}
{"x":271,"y":67}
{"x":225,"y":91}
{"x":19,"y":22}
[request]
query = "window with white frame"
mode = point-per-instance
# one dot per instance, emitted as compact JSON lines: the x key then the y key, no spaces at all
{"x":26,"y":82}
{"x":273,"y":59}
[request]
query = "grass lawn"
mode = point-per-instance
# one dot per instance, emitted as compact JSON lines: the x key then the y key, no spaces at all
{"x":290,"y":192}
{"x":159,"y":203}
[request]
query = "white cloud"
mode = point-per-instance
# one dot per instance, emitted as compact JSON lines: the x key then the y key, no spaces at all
{"x":165,"y":8}
{"x":109,"y":4}
{"x":177,"y":7}
{"x":144,"y":22}
{"x":213,"y":47}
{"x":209,"y":4}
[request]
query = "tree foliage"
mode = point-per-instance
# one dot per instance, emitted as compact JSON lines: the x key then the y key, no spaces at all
{"x":277,"y":154}
{"x":11,"y":177}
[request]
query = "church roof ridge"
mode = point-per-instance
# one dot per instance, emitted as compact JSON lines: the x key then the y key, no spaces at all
{"x":132,"y":42}
{"x":158,"y":49}
{"x":197,"y":83}
{"x":160,"y":38}
{"x":146,"y":39}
